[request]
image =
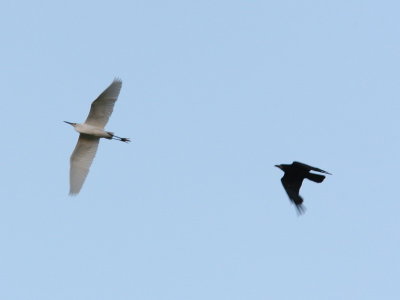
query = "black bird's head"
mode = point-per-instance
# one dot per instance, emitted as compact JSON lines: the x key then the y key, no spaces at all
{"x":281,"y":166}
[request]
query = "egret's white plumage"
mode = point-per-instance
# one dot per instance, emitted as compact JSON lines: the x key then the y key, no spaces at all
{"x":81,"y":159}
{"x":102,"y":108}
{"x":90,"y":133}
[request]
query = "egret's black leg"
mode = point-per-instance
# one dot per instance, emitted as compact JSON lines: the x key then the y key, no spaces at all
{"x":125,"y":140}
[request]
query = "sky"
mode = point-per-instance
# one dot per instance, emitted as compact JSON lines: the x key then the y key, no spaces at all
{"x":215,"y":93}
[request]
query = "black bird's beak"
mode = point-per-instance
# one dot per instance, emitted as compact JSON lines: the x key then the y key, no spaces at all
{"x":278,"y":166}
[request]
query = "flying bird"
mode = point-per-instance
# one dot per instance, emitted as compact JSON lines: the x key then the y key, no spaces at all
{"x":90,"y":133}
{"x":293,"y":178}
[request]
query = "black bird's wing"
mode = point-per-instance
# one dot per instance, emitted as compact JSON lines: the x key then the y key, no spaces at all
{"x":308,"y":167}
{"x":292,"y":187}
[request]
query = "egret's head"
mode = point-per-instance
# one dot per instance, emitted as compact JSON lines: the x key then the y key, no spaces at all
{"x":73,"y":124}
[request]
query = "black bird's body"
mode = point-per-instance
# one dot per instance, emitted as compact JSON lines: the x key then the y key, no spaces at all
{"x":293,"y":179}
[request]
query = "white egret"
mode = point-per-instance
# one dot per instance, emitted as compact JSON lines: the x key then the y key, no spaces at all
{"x":90,"y":133}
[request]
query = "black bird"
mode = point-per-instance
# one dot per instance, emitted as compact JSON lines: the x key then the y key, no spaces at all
{"x":293,"y":178}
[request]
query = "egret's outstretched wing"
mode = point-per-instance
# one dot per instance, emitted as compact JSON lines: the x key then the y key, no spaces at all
{"x":102,"y":107}
{"x":309,"y":168}
{"x":81,"y":159}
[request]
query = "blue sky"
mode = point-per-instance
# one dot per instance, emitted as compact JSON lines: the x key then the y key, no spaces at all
{"x":215,"y":93}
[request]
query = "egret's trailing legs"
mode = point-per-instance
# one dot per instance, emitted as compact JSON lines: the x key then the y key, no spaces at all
{"x":125,"y":140}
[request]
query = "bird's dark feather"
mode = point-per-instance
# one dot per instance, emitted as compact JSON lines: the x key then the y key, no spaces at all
{"x":308,"y":167}
{"x":315,"y":177}
{"x":293,"y":177}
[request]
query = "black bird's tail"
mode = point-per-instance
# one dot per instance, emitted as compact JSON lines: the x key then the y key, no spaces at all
{"x":315,"y":177}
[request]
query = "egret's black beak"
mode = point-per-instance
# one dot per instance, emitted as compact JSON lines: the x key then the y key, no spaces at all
{"x":69,"y":123}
